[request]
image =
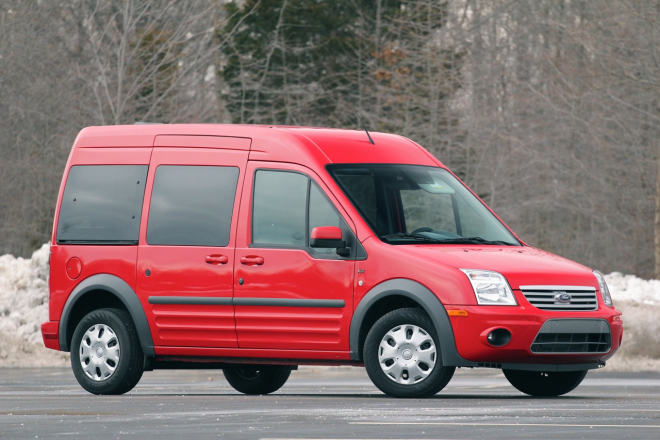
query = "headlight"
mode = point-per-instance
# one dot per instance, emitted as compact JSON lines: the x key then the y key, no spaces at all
{"x":490,"y":288}
{"x":604,"y":291}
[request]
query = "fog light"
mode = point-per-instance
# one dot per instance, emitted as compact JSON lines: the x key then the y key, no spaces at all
{"x":499,"y":337}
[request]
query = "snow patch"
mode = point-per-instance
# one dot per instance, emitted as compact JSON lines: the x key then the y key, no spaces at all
{"x":632,"y":289}
{"x":23,"y":307}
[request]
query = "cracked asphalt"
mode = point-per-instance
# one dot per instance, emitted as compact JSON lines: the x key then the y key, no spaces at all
{"x":324,"y":403}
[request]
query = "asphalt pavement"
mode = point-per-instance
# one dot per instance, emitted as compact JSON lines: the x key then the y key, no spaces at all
{"x":324,"y":403}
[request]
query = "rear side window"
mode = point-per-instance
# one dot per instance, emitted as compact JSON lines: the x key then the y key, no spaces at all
{"x":102,"y":204}
{"x":192,"y":205}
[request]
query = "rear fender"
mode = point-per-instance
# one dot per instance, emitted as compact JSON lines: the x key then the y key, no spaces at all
{"x":119,"y":288}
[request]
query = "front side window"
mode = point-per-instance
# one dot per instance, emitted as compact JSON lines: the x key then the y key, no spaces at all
{"x":286,"y":207}
{"x":406,"y":204}
{"x":192,"y":205}
{"x":279,"y":208}
{"x":102,"y":204}
{"x":321,"y":211}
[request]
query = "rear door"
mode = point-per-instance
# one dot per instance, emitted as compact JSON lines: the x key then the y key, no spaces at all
{"x":186,"y":251}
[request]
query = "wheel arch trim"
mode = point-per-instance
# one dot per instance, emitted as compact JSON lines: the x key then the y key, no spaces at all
{"x":120,"y":289}
{"x":429,"y":302}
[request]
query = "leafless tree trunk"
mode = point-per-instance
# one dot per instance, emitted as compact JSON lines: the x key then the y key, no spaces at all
{"x":67,"y":65}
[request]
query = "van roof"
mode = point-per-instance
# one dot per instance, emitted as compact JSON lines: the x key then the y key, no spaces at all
{"x":273,"y":143}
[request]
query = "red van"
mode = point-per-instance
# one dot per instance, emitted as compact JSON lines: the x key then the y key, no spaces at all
{"x":256,"y":249}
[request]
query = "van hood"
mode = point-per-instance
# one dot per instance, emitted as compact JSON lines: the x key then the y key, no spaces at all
{"x":522,"y":266}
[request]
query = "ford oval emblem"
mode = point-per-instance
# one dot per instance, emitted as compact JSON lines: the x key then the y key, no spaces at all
{"x":563,"y":297}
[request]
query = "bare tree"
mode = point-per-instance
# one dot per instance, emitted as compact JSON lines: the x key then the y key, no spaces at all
{"x":65,"y":65}
{"x":143,"y":54}
{"x":560,"y":119}
{"x":549,"y":109}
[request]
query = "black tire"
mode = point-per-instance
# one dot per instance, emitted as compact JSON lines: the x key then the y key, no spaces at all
{"x":542,"y":384}
{"x":257,"y":379}
{"x":428,"y":386}
{"x":128,"y":368}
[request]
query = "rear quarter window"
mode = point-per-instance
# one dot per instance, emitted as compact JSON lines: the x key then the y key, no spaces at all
{"x":102,"y":204}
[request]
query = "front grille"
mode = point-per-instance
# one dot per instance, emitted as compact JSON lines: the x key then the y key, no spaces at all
{"x":571,"y":343}
{"x":573,"y":336}
{"x":582,"y":298}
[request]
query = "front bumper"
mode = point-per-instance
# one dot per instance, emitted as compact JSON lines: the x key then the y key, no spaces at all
{"x":524,"y":324}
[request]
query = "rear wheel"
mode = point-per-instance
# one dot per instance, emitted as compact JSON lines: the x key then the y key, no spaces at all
{"x":542,"y":384}
{"x":106,"y":356}
{"x":402,"y":355}
{"x":257,"y":379}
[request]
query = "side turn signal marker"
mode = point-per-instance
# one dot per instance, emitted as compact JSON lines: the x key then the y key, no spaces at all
{"x":457,"y":312}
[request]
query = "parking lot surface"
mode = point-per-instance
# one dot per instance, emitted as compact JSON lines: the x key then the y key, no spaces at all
{"x":324,"y":403}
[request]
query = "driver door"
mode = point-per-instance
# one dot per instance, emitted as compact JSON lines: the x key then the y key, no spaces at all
{"x":288,"y":295}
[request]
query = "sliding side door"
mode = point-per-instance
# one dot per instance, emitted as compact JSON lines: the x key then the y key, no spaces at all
{"x":186,"y":251}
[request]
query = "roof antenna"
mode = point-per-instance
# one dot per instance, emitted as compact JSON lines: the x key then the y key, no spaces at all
{"x":363,"y":126}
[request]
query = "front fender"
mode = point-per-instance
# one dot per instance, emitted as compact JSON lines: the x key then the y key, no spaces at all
{"x":429,"y":302}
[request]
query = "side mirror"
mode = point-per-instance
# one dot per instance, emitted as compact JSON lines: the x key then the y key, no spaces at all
{"x":326,"y":237}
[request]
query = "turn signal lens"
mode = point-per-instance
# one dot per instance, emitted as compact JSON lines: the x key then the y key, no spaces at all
{"x":457,"y":312}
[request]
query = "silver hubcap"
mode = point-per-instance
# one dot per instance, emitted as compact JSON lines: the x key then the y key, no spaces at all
{"x":99,"y":352}
{"x":407,"y":354}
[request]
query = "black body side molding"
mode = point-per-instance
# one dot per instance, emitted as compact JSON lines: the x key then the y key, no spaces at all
{"x":270,"y":302}
{"x":124,"y":293}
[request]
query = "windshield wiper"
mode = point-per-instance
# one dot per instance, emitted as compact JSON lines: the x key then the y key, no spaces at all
{"x":475,"y":240}
{"x":410,"y":235}
{"x":457,"y":240}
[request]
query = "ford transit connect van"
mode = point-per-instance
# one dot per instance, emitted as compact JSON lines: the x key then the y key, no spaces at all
{"x":256,"y":249}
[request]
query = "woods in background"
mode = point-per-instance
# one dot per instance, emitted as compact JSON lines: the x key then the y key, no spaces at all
{"x":548,"y":109}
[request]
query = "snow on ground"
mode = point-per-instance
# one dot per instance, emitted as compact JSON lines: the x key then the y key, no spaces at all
{"x":24,"y":306}
{"x":639,"y":301}
{"x":629,"y":288}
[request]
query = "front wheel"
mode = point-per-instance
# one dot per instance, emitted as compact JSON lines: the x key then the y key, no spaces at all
{"x":257,"y":379}
{"x":402,"y":355}
{"x":542,"y":384}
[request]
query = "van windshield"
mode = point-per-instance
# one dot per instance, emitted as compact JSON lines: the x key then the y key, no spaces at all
{"x":405,"y":204}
